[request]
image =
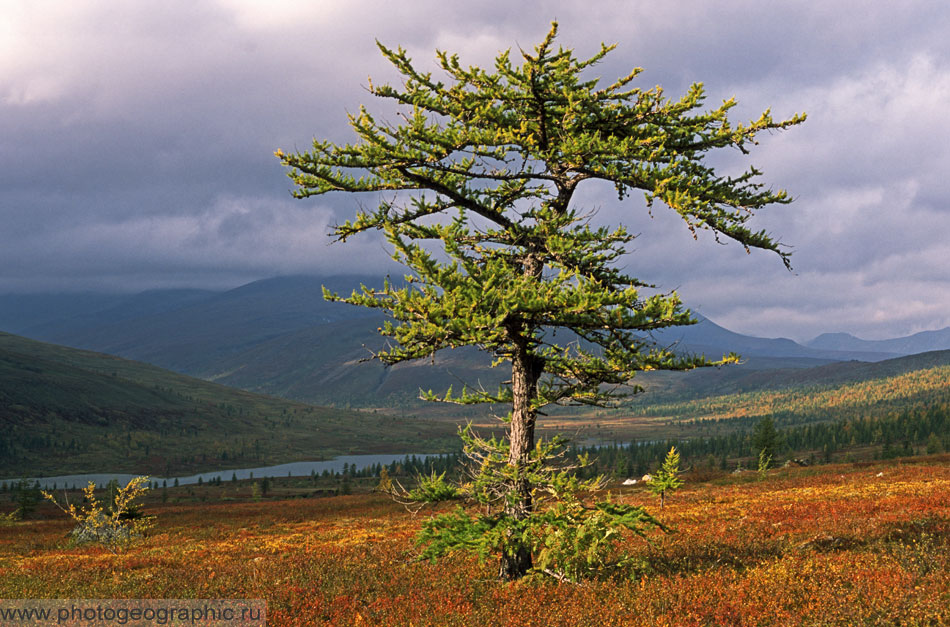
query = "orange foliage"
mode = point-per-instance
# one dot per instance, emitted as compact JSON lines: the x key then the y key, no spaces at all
{"x":876,"y":396}
{"x":836,"y":546}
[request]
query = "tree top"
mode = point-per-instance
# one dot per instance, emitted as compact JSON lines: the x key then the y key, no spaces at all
{"x":488,"y":142}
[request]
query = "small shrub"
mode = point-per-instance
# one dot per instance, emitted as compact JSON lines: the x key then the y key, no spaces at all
{"x":765,"y":461}
{"x":567,"y":534}
{"x":433,"y":489}
{"x":385,"y":484}
{"x":113,"y":526}
{"x":8,"y":520}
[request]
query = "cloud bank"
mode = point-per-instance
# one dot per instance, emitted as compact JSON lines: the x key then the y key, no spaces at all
{"x":136,"y":142}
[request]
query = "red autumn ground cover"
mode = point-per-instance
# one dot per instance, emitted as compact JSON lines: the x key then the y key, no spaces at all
{"x":836,"y":545}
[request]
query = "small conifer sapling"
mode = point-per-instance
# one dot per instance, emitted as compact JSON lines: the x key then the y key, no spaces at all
{"x":667,"y":479}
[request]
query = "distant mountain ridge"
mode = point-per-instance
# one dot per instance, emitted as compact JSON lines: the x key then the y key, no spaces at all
{"x":194,"y":330}
{"x":917,"y":343}
{"x":65,"y":410}
{"x":19,"y":312}
{"x":708,"y":337}
{"x":279,"y":336}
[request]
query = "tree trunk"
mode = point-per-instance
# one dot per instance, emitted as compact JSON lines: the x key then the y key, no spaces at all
{"x":525,"y":372}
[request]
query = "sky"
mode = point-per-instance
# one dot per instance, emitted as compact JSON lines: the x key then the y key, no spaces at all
{"x":137,"y":141}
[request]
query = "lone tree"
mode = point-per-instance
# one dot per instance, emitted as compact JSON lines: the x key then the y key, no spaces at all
{"x":667,"y":479}
{"x":475,"y":187}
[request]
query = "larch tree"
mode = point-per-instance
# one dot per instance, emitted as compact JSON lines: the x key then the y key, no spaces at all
{"x":666,"y":479}
{"x":475,"y":188}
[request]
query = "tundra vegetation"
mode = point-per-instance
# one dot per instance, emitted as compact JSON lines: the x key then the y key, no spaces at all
{"x":842,"y":544}
{"x":475,"y":190}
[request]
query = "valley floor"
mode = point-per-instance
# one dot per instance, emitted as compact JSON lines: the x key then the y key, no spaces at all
{"x":861,"y":544}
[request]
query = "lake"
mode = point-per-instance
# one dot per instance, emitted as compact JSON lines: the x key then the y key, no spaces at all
{"x":296,"y":469}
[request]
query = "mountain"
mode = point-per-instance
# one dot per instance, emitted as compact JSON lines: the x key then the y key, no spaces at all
{"x":19,"y":312}
{"x":276,"y":336}
{"x":916,"y":343}
{"x":330,"y":364}
{"x":279,"y":336}
{"x":118,"y":309}
{"x":64,"y":410}
{"x":188,"y":335}
{"x":69,"y":410}
{"x":708,"y":337}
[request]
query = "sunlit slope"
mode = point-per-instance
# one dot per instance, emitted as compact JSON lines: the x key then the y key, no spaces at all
{"x":830,"y":392}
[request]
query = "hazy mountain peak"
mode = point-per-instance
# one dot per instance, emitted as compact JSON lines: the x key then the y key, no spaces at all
{"x":921,"y":342}
{"x":832,"y":340}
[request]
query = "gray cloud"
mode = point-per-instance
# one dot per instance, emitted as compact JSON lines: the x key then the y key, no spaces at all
{"x":136,"y":142}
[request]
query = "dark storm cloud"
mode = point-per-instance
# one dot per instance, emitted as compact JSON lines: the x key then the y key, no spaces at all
{"x":136,"y":142}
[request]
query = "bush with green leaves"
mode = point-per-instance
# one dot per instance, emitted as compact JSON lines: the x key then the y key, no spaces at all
{"x":432,"y":489}
{"x":567,"y":533}
{"x":765,"y":462}
{"x":385,"y":484}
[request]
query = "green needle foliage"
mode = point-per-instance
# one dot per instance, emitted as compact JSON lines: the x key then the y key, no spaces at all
{"x":568,"y":534}
{"x":667,"y":478}
{"x":765,"y":439}
{"x":765,"y":461}
{"x":474,"y":191}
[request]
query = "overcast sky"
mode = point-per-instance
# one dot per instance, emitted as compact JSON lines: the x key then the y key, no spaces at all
{"x":137,"y":140}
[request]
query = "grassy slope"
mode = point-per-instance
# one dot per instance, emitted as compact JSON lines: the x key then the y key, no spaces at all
{"x":64,"y":410}
{"x":835,"y":545}
{"x":326,"y":364}
{"x":776,"y":374}
{"x":887,"y":393}
{"x":825,"y":393}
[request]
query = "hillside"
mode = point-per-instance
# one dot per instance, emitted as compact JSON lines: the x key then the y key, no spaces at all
{"x":324,"y":364}
{"x":330,"y":364}
{"x":763,"y":373}
{"x":66,"y":410}
{"x":187,"y":335}
{"x":278,"y":336}
{"x":830,"y":392}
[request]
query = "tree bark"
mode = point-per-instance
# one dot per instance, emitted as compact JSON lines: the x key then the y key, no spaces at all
{"x":526,"y":370}
{"x":525,"y":373}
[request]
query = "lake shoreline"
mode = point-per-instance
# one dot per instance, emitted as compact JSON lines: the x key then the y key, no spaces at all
{"x":295,"y":469}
